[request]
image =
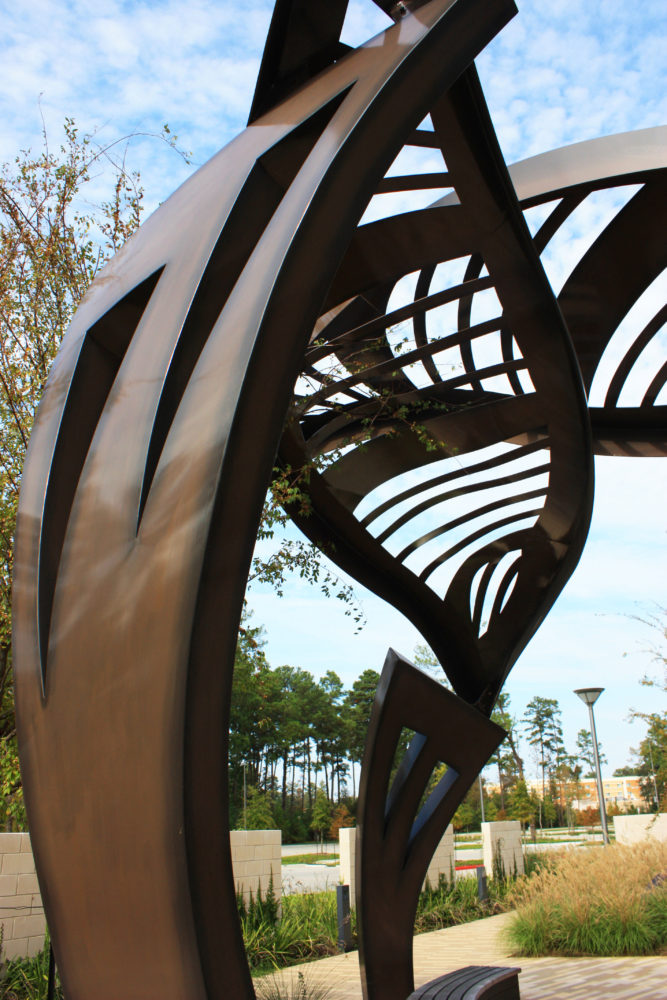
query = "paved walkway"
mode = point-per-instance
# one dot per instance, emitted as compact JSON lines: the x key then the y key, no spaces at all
{"x":481,"y":943}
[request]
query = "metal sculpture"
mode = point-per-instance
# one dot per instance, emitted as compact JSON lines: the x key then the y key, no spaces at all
{"x":157,"y":436}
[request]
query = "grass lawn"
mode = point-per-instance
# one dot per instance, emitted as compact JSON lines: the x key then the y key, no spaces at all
{"x":310,"y":859}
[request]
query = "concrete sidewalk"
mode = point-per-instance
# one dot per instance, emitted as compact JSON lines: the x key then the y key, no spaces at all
{"x":481,"y":943}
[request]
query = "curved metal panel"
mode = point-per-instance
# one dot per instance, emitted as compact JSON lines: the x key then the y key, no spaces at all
{"x":399,"y":826}
{"x":123,"y":682}
{"x":373,"y":420}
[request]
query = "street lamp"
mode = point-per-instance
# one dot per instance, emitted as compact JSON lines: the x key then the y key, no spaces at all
{"x":481,"y":795}
{"x":590,"y":696}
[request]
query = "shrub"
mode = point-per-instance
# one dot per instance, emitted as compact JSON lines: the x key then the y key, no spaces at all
{"x":457,"y":902}
{"x":594,"y":901}
{"x":307,"y":929}
{"x":342,"y":817}
{"x":587,"y":817}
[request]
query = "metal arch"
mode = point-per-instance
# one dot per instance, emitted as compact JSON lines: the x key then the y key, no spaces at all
{"x":354,"y":419}
{"x":631,"y":249}
{"x":613,"y":273}
{"x":457,"y":412}
{"x":137,"y":521}
{"x":155,"y":442}
{"x":398,"y":834}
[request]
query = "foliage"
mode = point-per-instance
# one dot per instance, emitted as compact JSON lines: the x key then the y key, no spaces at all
{"x":657,"y":647}
{"x":286,"y":730}
{"x":468,"y":813}
{"x":12,"y":807}
{"x":27,"y":978}
{"x":307,"y":929}
{"x":425,"y":659}
{"x":357,"y":706}
{"x":652,"y":761}
{"x":590,"y":816}
{"x":294,"y":824}
{"x":544,"y":732}
{"x":506,"y":758}
{"x":288,"y":492}
{"x":322,"y":813}
{"x":342,"y":818}
{"x":457,"y":902}
{"x":55,"y":236}
{"x":586,"y":753}
{"x":51,"y":247}
{"x":595,"y":901}
{"x":258,"y":814}
{"x":308,"y":926}
{"x":651,"y":755}
{"x":259,"y":911}
{"x":522,"y":805}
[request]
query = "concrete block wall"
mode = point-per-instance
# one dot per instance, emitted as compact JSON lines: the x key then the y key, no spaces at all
{"x":442,"y":861}
{"x":633,"y":829}
{"x":503,"y":838}
{"x":21,"y":911}
{"x":256,"y":857}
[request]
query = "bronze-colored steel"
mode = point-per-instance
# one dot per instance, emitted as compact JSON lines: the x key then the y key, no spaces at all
{"x":252,"y":314}
{"x":613,"y":273}
{"x":461,"y":414}
{"x":453,"y":415}
{"x":397,"y":833}
{"x":142,"y":492}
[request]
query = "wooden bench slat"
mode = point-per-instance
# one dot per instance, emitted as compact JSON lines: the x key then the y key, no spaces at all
{"x":473,"y":982}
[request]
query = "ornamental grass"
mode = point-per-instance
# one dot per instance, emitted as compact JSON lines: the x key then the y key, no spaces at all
{"x":594,"y":901}
{"x":295,"y":988}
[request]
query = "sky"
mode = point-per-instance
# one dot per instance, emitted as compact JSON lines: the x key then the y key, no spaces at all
{"x":560,"y":72}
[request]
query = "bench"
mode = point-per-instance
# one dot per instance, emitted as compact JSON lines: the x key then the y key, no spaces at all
{"x":472,"y":983}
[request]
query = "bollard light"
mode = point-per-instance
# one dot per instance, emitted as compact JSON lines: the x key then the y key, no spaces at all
{"x":344,"y":917}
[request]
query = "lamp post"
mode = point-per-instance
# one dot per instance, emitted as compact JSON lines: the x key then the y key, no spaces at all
{"x":655,"y":784}
{"x":589,"y":696}
{"x":481,"y":795}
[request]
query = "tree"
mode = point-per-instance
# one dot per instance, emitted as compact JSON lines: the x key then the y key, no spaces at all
{"x":586,"y":753}
{"x":467,"y":815}
{"x":322,"y":813}
{"x":258,"y":815}
{"x":50,"y":251}
{"x":522,"y":805}
{"x":54,"y":239}
{"x":252,"y":716}
{"x":544,"y":732}
{"x":652,"y":752}
{"x":342,"y":817}
{"x":652,"y":762}
{"x":357,"y":712}
{"x":52,"y":244}
{"x":424,"y":658}
{"x":657,"y":647}
{"x":506,"y":758}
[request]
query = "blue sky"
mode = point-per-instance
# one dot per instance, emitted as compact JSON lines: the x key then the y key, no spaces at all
{"x":560,"y":72}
